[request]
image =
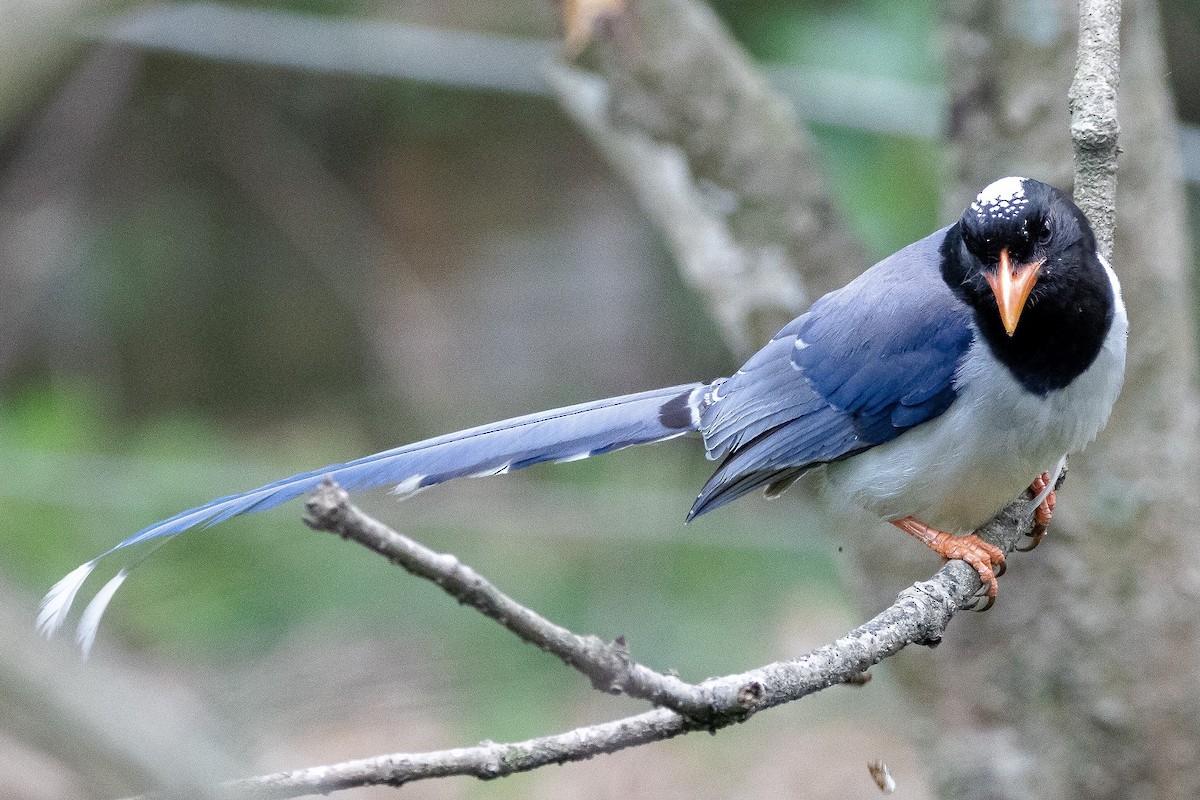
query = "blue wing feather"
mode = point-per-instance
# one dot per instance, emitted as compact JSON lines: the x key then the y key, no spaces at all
{"x":863,"y":365}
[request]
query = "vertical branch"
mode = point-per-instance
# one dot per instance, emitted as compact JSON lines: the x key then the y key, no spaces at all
{"x":1094,"y":126}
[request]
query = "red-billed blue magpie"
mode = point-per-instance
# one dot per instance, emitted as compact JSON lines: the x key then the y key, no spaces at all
{"x":931,"y":390}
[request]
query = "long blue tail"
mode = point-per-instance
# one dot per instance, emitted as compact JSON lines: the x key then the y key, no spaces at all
{"x":562,"y":434}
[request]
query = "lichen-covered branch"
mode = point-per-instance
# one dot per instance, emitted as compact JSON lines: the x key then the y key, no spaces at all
{"x":918,"y":616}
{"x":1094,"y":126}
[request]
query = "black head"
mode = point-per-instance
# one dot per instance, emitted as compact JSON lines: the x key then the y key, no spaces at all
{"x":1024,"y":258}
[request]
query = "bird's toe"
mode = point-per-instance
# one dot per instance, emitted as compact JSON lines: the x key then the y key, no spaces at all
{"x":984,"y":557}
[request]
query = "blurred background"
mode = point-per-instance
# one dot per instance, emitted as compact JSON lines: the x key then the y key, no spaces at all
{"x":240,"y":241}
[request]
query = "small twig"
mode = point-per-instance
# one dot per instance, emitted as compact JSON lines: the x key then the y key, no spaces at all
{"x":919,"y":616}
{"x":1094,"y":126}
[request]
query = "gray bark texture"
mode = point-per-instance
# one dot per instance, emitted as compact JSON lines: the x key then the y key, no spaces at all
{"x":1082,"y":682}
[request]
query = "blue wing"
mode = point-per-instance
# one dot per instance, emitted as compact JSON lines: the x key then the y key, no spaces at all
{"x":863,"y":365}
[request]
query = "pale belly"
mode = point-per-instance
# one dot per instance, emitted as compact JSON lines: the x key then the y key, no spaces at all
{"x":957,"y":471}
{"x":935,"y":477}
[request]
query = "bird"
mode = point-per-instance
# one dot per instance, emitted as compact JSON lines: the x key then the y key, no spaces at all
{"x":931,"y":390}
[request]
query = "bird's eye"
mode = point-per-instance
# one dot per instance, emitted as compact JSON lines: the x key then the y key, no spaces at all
{"x":1043,"y":232}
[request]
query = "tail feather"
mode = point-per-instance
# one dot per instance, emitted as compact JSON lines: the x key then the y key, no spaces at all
{"x":563,"y":434}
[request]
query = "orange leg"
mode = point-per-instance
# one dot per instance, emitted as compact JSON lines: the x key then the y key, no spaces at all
{"x":1045,"y":510}
{"x":984,"y":558}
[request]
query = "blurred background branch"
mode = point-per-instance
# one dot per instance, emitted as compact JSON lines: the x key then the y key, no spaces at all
{"x":719,"y":164}
{"x":504,"y":63}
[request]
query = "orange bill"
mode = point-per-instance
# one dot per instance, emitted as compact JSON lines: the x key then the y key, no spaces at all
{"x":1012,"y":287}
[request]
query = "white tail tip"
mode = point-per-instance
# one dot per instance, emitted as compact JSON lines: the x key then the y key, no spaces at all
{"x":85,"y":634}
{"x":409,"y":486}
{"x":57,"y":602}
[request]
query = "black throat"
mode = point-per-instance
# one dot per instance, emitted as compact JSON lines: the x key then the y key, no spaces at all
{"x":1063,"y":326}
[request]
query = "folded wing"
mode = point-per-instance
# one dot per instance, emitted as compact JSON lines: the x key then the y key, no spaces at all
{"x":863,"y":365}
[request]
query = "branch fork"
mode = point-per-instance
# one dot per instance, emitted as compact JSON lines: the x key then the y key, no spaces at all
{"x":606,"y":664}
{"x":919,"y":616}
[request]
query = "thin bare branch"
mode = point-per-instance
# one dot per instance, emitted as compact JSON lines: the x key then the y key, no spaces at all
{"x":1094,"y":126}
{"x":919,"y":616}
{"x":606,"y":664}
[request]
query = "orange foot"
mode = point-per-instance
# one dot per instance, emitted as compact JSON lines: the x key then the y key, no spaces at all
{"x":984,"y":558}
{"x":1045,"y":510}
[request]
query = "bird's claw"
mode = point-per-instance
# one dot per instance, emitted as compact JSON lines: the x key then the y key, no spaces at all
{"x":982,"y":593}
{"x":974,"y":604}
{"x":1035,"y":538}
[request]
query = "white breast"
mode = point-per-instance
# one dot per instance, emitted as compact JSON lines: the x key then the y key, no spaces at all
{"x":956,"y":471}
